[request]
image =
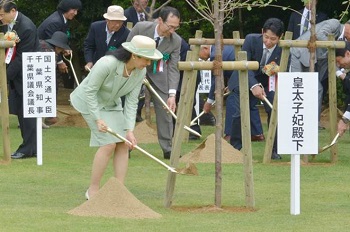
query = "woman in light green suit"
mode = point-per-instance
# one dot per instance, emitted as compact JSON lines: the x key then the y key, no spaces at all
{"x":97,"y":98}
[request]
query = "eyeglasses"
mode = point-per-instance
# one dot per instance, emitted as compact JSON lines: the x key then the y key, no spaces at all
{"x":170,"y":27}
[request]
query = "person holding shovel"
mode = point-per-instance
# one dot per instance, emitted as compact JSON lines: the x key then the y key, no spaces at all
{"x":343,"y":61}
{"x":97,"y":98}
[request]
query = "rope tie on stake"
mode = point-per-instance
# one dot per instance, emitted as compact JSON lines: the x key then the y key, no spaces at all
{"x":311,"y":45}
{"x":192,"y":65}
{"x":217,"y":65}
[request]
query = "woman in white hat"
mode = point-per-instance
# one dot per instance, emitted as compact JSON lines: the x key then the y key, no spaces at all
{"x":97,"y":98}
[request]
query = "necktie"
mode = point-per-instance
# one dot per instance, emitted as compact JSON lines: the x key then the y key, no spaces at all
{"x":306,"y":22}
{"x":157,"y":41}
{"x":264,"y":58}
{"x":109,"y":36}
{"x":142,"y":17}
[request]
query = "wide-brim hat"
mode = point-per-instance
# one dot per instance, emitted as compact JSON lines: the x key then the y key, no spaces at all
{"x":143,"y":46}
{"x":115,"y":13}
{"x":59,"y":39}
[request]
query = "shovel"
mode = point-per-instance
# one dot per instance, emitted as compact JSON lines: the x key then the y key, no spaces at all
{"x":334,"y":141}
{"x":268,"y":102}
{"x":193,"y":122}
{"x":146,"y":82}
{"x":143,"y":151}
{"x":71,"y":65}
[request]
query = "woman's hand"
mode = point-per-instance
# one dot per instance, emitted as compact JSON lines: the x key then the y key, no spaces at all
{"x":131,"y":137}
{"x":101,"y":125}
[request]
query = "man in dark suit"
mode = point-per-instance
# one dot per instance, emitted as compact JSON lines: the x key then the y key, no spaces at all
{"x":343,"y":61}
{"x":228,"y":54}
{"x":299,"y":22}
{"x":137,"y":12}
{"x":58,"y":21}
{"x":13,"y":20}
{"x":263,"y":48}
{"x":164,"y":74}
{"x":105,"y":35}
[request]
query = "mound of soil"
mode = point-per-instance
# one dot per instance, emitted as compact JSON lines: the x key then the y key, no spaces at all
{"x":205,"y":152}
{"x":144,"y":133}
{"x":114,"y":201}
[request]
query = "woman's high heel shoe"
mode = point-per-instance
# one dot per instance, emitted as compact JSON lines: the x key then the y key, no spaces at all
{"x":87,"y":195}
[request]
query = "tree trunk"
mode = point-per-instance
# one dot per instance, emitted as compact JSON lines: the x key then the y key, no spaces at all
{"x":219,"y":86}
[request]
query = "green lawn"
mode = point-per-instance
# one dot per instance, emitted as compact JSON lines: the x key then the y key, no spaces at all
{"x":37,"y":198}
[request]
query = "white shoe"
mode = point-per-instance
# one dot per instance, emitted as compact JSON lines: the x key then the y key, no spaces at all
{"x":87,"y":195}
{"x":44,"y":126}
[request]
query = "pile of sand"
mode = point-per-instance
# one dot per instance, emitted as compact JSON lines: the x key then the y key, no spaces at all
{"x":144,"y":133}
{"x":205,"y":152}
{"x":115,"y":201}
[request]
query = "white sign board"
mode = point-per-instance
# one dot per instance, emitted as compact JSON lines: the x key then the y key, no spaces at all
{"x":297,"y":113}
{"x":204,"y":85}
{"x":39,"y":84}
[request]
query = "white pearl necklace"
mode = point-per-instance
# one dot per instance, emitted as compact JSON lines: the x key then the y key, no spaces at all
{"x":126,"y":71}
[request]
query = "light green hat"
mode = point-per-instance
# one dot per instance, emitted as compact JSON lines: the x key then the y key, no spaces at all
{"x":143,"y":46}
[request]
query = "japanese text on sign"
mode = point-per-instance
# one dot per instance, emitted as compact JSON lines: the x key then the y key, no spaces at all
{"x":204,"y":85}
{"x":39,"y":84}
{"x":297,"y":111}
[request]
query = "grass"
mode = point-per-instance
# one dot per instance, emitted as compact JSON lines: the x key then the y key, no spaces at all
{"x":37,"y":198}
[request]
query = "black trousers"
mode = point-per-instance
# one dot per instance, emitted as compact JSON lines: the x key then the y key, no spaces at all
{"x":26,"y":125}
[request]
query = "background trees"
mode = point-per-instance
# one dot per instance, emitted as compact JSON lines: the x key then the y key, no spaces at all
{"x":246,"y":21}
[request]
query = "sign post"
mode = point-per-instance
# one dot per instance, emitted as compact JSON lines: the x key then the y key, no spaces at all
{"x":297,"y":123}
{"x":39,"y":90}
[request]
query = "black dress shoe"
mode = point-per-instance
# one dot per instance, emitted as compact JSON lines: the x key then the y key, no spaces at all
{"x":208,"y":120}
{"x":258,"y":138}
{"x":139,"y":118}
{"x":167,"y":155}
{"x":193,"y":137}
{"x":275,"y":156}
{"x":19,"y":155}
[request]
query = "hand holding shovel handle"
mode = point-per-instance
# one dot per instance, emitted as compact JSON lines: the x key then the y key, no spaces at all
{"x":203,"y":112}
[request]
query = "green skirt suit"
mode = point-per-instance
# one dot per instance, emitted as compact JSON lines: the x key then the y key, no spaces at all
{"x":98,"y":97}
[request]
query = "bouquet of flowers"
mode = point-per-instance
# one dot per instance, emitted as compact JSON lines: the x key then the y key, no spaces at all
{"x":12,"y":36}
{"x":271,"y":69}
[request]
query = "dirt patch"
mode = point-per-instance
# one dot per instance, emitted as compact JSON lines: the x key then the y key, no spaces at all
{"x":145,"y":133}
{"x":205,"y":152}
{"x":325,"y":117}
{"x":68,"y":116}
{"x":114,"y":201}
{"x":213,"y":209}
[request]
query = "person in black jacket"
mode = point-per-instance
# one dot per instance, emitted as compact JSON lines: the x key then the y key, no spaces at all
{"x":343,"y":61}
{"x":137,"y":12}
{"x":299,"y":22}
{"x":105,"y":35}
{"x":58,"y":21}
{"x":13,"y":20}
